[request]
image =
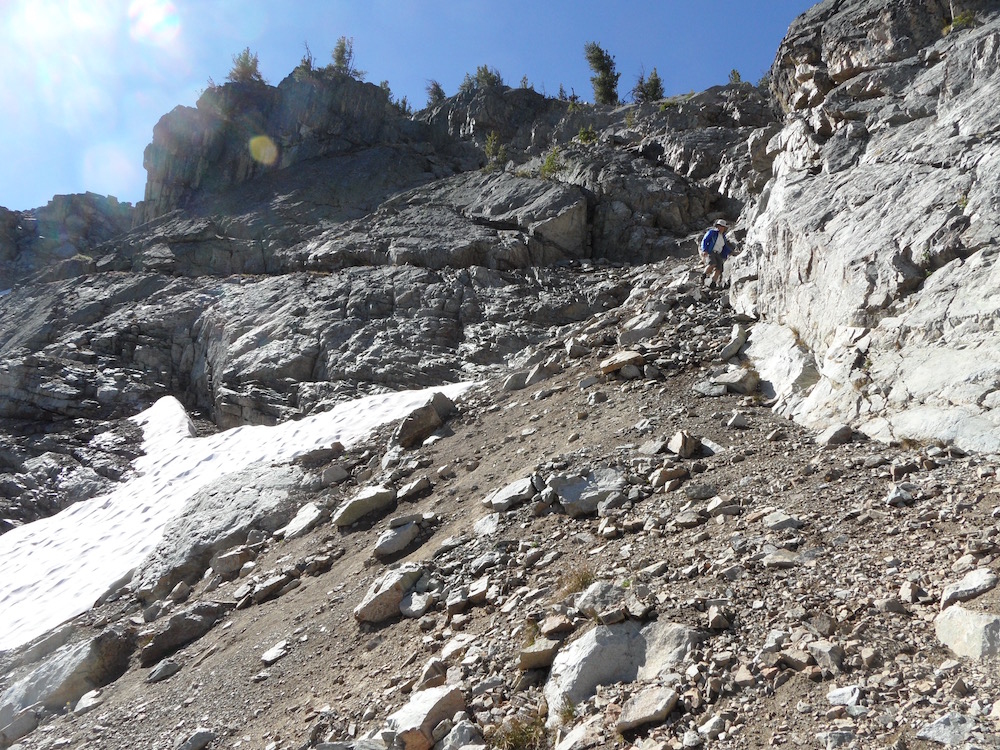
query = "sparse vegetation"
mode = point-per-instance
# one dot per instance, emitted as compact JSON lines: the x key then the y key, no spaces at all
{"x":435,"y":93}
{"x":246,"y":68}
{"x":485,"y":77}
{"x":496,"y":152}
{"x":306,"y":65}
{"x":531,"y":632}
{"x":675,"y":101}
{"x":551,"y":166}
{"x":648,"y":89}
{"x":586,"y":134}
{"x":519,"y":733}
{"x":735,"y":77}
{"x":401,"y":104}
{"x":576,"y":580}
{"x":605,"y":78}
{"x":567,"y":711}
{"x":343,"y":59}
{"x":964,"y":20}
{"x":963,"y":201}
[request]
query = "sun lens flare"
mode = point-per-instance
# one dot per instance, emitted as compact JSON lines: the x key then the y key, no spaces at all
{"x":263,"y":149}
{"x":155,"y":21}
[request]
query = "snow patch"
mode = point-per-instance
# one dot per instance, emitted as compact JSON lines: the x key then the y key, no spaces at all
{"x":55,"y":568}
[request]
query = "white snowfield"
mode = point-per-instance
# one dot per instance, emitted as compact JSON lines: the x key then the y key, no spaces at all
{"x":55,"y":568}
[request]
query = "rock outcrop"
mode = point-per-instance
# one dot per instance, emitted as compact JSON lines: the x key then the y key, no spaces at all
{"x":58,"y":240}
{"x":619,"y":530}
{"x":874,"y":242}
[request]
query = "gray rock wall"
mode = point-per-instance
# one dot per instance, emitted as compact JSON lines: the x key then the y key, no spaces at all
{"x":207,"y":149}
{"x":58,"y":239}
{"x":875,"y":241}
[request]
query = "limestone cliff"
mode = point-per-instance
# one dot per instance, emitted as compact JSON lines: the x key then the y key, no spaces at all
{"x":56,"y":240}
{"x":872,"y":249}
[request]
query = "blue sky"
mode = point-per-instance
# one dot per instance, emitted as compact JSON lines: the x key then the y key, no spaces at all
{"x":83,"y":82}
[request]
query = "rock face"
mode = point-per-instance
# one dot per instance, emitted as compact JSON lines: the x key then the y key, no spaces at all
{"x":210,"y":148}
{"x":58,"y":240}
{"x":218,"y":517}
{"x":69,"y":673}
{"x":874,"y":242}
{"x":305,"y":244}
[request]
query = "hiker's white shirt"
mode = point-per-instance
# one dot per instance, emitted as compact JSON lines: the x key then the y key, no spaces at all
{"x":720,"y":244}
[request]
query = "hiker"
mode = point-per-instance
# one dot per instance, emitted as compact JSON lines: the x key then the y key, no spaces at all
{"x":715,"y":248}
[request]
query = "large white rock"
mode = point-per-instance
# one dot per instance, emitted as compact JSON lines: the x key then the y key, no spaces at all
{"x":414,"y":722}
{"x":971,"y":634}
{"x":69,"y":673}
{"x":395,"y":540}
{"x":666,"y":645}
{"x":974,"y":583}
{"x":510,"y":496}
{"x":307,"y":517}
{"x":385,"y":595}
{"x":368,"y":500}
{"x":641,"y":327}
{"x":652,"y":705}
{"x":614,"y":653}
{"x":580,"y":495}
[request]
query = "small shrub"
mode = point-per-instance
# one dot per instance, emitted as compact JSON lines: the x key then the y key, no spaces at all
{"x":308,"y":62}
{"x":586,"y":134}
{"x":567,"y":711}
{"x":401,"y":105}
{"x":630,"y":119}
{"x":648,"y":89}
{"x":675,"y":101}
{"x":531,"y":632}
{"x":551,"y":166}
{"x":520,"y":733}
{"x":577,"y":580}
{"x":735,"y":77}
{"x":496,"y":152}
{"x":246,"y":68}
{"x":963,"y":201}
{"x":487,"y":77}
{"x":964,"y":20}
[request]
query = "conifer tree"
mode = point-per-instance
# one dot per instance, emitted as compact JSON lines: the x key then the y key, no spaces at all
{"x":605,"y":78}
{"x":343,"y":59}
{"x":435,"y":93}
{"x":245,"y":68}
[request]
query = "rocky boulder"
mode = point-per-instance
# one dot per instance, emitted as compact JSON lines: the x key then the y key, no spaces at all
{"x":70,"y":672}
{"x":615,"y":653}
{"x":181,"y":629}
